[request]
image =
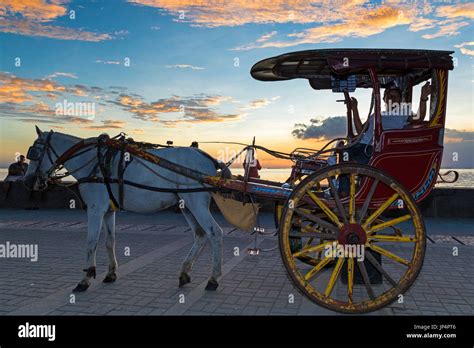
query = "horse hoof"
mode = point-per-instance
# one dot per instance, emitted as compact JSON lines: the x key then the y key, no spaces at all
{"x":110,"y":278}
{"x":184,"y":279}
{"x":211,"y":285}
{"x":81,"y":287}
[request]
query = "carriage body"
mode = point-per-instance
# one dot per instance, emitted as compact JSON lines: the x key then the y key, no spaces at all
{"x":411,"y":155}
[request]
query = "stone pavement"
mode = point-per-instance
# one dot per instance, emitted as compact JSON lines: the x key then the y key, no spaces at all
{"x":148,"y":277}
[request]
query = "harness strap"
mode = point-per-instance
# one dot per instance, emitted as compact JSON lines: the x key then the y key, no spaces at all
{"x":96,"y":180}
{"x":121,"y":170}
{"x":103,"y":165}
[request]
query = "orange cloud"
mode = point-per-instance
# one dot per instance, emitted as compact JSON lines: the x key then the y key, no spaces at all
{"x":29,"y":17}
{"x":33,"y":28}
{"x":107,"y":124}
{"x":361,"y":24}
{"x":465,"y":10}
{"x":233,"y":13}
{"x":354,"y":21}
{"x":40,"y":112}
{"x":39,"y":10}
{"x":260,"y":103}
{"x":197,"y":108}
{"x":19,"y":90}
{"x":337,"y":20}
{"x":447,"y":28}
{"x":422,"y":24}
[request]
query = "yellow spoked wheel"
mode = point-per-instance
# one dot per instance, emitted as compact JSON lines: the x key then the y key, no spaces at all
{"x":363,"y":260}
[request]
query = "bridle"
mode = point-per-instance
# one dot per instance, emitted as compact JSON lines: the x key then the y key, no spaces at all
{"x":38,"y":151}
{"x":42,"y":148}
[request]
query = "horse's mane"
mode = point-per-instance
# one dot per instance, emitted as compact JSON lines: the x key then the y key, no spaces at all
{"x":69,"y":135}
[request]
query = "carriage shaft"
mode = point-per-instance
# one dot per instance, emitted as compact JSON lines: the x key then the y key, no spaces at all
{"x":258,"y":189}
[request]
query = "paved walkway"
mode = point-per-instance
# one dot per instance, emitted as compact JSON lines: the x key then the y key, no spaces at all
{"x":147,"y":284}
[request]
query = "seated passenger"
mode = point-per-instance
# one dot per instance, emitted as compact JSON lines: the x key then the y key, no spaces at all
{"x":396,"y":116}
{"x":17,"y":170}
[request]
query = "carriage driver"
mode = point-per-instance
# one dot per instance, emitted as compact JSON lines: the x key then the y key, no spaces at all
{"x":395,"y":117}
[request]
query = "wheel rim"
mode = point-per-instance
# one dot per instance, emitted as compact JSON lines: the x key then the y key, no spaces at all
{"x":341,"y":281}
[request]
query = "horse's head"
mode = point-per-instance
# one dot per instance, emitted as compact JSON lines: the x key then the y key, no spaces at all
{"x":41,"y":162}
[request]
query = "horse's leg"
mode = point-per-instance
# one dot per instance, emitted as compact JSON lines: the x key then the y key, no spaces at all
{"x":94,"y":226}
{"x":199,"y":242}
{"x":198,"y":205}
{"x":109,"y":226}
{"x":215,"y":236}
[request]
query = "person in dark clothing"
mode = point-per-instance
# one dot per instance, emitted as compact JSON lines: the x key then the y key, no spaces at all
{"x":18,"y":168}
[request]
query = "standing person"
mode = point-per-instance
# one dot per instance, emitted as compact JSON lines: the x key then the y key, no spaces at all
{"x":253,"y":164}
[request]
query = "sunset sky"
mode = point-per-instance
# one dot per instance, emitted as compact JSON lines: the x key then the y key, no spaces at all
{"x":179,"y":70}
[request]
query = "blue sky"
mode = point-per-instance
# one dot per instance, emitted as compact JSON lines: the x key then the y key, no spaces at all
{"x":184,"y":54}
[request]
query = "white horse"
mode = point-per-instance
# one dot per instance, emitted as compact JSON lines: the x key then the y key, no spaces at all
{"x":100,"y":215}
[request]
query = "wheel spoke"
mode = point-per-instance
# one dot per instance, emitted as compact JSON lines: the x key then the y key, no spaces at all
{"x":389,"y":223}
{"x":337,"y":199}
{"x":334,"y":276}
{"x":319,"y":221}
{"x":379,"y":211}
{"x":308,"y":242}
{"x":388,"y":254}
{"x":314,"y":233}
{"x":365,"y":277}
{"x":383,"y":238}
{"x":379,"y":268}
{"x":352,"y":199}
{"x":312,"y":249}
{"x":317,"y":268}
{"x":365,"y":206}
{"x":350,"y":277}
{"x":325,"y":208}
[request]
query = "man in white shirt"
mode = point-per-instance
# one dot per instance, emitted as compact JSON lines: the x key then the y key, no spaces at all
{"x":396,"y":116}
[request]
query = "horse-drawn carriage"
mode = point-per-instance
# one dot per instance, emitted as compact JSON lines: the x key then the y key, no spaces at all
{"x":351,"y":248}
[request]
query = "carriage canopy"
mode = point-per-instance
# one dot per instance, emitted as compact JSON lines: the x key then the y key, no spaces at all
{"x":322,"y":66}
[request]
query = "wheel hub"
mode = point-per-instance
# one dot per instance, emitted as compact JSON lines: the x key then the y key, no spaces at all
{"x":352,"y":234}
